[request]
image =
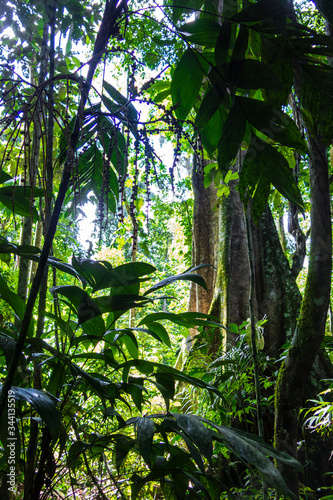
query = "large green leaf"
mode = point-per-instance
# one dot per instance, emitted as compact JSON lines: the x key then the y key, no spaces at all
{"x":223,"y":43}
{"x":316,"y":101}
{"x":231,"y":137}
{"x":251,"y":452}
{"x":210,"y":132}
{"x":145,"y":428}
{"x":15,"y":301}
{"x":188,"y":319}
{"x":44,"y":405}
{"x":85,"y":307}
{"x":51,"y":261}
{"x":195,"y":278}
{"x":263,"y":10}
{"x":101,"y":274}
{"x":92,"y":271}
{"x":272,"y":122}
{"x":251,"y":74}
{"x":186,"y":82}
{"x":198,"y":433}
{"x":201,"y":32}
{"x":19,"y":199}
{"x":148,"y":367}
{"x":122,"y":100}
{"x":281,"y":66}
{"x":4,"y":177}
{"x":208,"y":108}
{"x":9,"y":247}
{"x":113,"y":303}
{"x":263,"y":165}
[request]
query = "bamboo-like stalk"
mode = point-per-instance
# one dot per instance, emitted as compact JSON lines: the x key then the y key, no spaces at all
{"x":108,"y":27}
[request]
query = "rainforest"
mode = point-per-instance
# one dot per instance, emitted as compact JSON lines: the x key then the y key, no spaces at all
{"x":166,"y":312}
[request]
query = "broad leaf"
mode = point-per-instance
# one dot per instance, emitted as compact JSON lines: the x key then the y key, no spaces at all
{"x":145,"y":428}
{"x":8,"y":247}
{"x":44,"y":405}
{"x":201,"y":32}
{"x":113,"y":303}
{"x":250,"y":452}
{"x":223,"y":43}
{"x":195,"y":278}
{"x":251,"y":74}
{"x":282,"y":67}
{"x":123,"y":101}
{"x":263,"y":165}
{"x":19,"y":199}
{"x":231,"y":137}
{"x":208,"y":107}
{"x":263,"y":10}
{"x":198,"y":433}
{"x":100,"y":274}
{"x":83,"y":304}
{"x":148,"y":367}
{"x":14,"y":300}
{"x":4,"y":177}
{"x":186,"y":83}
{"x":272,"y":122}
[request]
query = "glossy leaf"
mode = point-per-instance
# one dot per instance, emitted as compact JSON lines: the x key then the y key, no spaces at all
{"x":231,"y":137}
{"x":52,"y":261}
{"x":44,"y":405}
{"x":201,"y":32}
{"x":272,"y":122}
{"x":263,"y":165}
{"x":9,"y":247}
{"x":123,"y":101}
{"x":251,"y":452}
{"x":223,"y":43}
{"x":195,"y":278}
{"x":100,"y":274}
{"x":4,"y":177}
{"x":144,"y":434}
{"x":113,"y":303}
{"x":198,"y":433}
{"x":186,"y":83}
{"x":188,"y":319}
{"x":147,"y":367}
{"x":83,"y":304}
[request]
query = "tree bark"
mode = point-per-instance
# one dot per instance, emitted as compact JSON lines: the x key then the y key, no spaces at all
{"x":310,"y":328}
{"x":204,"y":238}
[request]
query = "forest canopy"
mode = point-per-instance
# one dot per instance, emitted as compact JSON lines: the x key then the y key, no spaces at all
{"x":166,"y":249}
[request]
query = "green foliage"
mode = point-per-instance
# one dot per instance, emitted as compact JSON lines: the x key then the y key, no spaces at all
{"x":91,"y":393}
{"x":116,"y":375}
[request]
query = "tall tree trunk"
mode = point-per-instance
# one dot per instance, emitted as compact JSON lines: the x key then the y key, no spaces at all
{"x":231,"y":298}
{"x":204,"y":238}
{"x":310,"y":328}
